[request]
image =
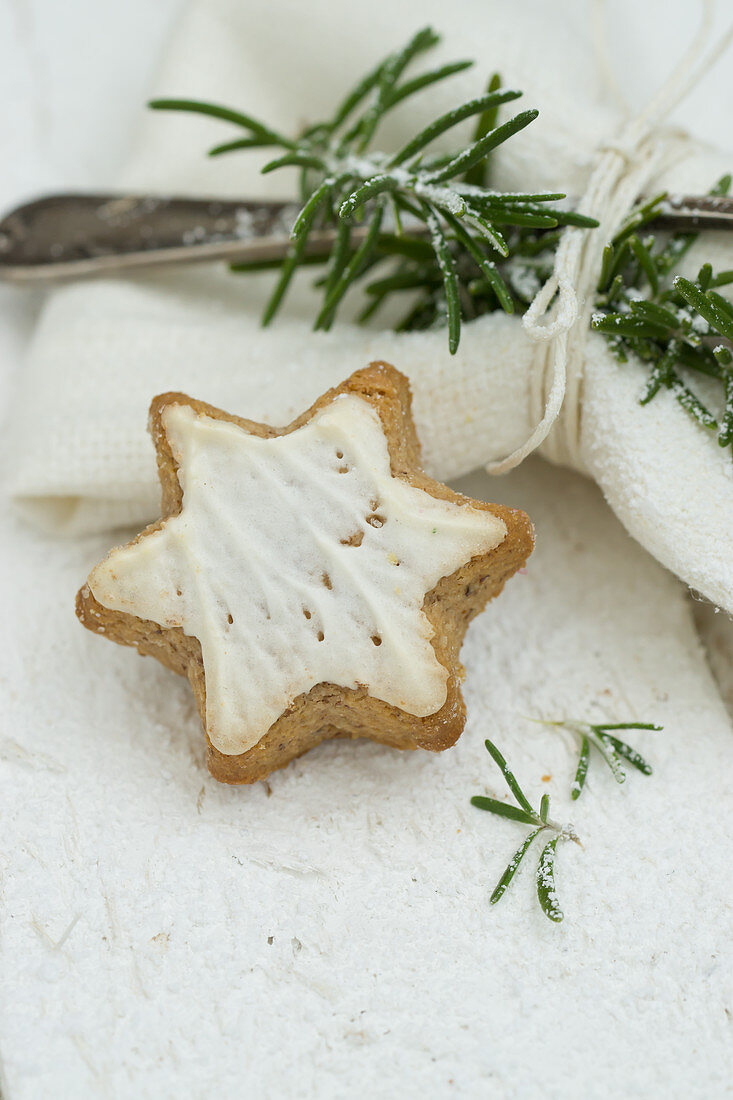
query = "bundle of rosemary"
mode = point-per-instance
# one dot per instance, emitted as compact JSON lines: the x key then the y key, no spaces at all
{"x":431,"y":218}
{"x":427,"y":225}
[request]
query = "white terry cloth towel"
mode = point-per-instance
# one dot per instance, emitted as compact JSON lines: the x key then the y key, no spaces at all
{"x":81,"y":458}
{"x":164,"y":935}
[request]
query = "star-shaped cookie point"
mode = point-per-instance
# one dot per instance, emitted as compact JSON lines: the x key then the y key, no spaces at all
{"x":312,"y":581}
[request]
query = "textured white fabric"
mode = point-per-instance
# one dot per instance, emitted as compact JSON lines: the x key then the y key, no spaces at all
{"x":337,"y":935}
{"x":81,"y":459}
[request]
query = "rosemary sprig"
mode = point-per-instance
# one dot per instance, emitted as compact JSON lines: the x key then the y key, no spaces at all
{"x":430,"y":216}
{"x":427,"y":225}
{"x":679,"y":327}
{"x":540,"y":822}
{"x":609,"y":747}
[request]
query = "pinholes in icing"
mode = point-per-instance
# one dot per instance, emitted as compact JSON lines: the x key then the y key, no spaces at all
{"x":296,"y":560}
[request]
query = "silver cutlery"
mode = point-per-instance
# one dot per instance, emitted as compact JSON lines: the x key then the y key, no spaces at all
{"x":69,"y":236}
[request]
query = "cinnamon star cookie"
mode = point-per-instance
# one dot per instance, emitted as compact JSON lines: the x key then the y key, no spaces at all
{"x":310,"y":581}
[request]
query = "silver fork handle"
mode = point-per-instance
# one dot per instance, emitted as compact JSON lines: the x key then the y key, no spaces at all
{"x":68,"y":236}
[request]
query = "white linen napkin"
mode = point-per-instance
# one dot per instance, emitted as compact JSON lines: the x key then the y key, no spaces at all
{"x":81,"y":458}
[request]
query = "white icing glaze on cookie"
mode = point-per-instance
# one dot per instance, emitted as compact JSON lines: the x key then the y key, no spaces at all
{"x":296,"y":560}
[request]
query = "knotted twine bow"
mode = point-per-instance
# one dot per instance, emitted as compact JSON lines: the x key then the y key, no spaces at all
{"x":559,"y":317}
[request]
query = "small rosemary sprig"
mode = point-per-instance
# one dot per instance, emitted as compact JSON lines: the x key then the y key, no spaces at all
{"x":610,"y":748}
{"x":681,"y":328}
{"x":430,"y":216}
{"x":541,"y":823}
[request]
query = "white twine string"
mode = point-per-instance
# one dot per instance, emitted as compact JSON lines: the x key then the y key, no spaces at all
{"x":559,"y":316}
